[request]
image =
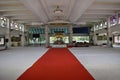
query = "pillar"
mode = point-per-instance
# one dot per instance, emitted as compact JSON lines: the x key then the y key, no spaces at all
{"x":26,"y":34}
{"x":71,"y":34}
{"x":46,"y":35}
{"x":8,"y":33}
{"x":95,"y":36}
{"x":109,"y":34}
{"x":22,"y":37}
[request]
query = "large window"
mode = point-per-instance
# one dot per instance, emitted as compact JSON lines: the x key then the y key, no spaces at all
{"x":64,"y":29}
{"x":17,"y":26}
{"x":65,"y":39}
{"x":37,"y":40}
{"x":117,"y":39}
{"x":81,"y":38}
{"x":37,"y":30}
{"x":81,"y":30}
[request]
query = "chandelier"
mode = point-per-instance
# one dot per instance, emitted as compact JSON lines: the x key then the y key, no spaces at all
{"x":58,"y":11}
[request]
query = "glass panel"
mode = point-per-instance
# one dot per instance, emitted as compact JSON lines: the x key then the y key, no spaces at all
{"x":52,"y":30}
{"x":36,"y":40}
{"x":81,"y":38}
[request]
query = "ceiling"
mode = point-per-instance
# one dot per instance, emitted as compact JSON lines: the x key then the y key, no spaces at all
{"x":34,"y":12}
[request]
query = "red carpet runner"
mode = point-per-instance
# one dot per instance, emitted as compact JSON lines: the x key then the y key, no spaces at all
{"x":56,"y":64}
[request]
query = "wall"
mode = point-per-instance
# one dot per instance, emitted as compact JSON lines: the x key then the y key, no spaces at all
{"x":2,"y":30}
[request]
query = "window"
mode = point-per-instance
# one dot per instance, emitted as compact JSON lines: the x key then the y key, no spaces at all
{"x":52,"y":30}
{"x":113,"y":20}
{"x":117,"y":39}
{"x":37,"y":30}
{"x":105,"y":24}
{"x":12,"y":25}
{"x":81,"y":30}
{"x":3,"y":22}
{"x":20,"y":27}
{"x":96,"y":27}
{"x":101,"y":26}
{"x":16,"y":27}
{"x":37,"y":40}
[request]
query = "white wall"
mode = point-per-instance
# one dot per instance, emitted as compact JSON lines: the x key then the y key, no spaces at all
{"x":2,"y":30}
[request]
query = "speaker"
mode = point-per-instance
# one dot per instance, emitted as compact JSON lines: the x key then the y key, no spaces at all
{"x":20,"y":35}
{"x":110,"y":38}
{"x":97,"y":34}
{"x":6,"y":40}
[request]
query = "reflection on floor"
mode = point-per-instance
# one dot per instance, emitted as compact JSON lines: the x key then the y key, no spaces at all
{"x":102,"y":63}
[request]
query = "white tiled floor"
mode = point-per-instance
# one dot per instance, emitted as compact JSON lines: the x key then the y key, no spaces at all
{"x":15,"y":61}
{"x":102,"y":63}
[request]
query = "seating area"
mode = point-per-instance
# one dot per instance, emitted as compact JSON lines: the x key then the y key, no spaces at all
{"x":82,"y":44}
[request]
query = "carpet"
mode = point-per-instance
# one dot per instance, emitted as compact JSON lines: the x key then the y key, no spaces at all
{"x":57,"y":64}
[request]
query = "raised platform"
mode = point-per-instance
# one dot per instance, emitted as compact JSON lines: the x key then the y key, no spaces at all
{"x":58,"y":45}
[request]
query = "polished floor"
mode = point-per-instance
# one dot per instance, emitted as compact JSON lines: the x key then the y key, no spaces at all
{"x":102,"y":62}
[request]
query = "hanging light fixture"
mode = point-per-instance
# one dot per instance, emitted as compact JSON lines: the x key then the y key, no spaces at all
{"x":58,"y":11}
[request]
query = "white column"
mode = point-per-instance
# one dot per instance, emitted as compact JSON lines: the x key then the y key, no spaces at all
{"x":23,"y":35}
{"x":22,"y":39}
{"x":26,"y":35}
{"x":71,"y":34}
{"x":46,"y":35}
{"x":109,"y":34}
{"x":94,"y":37}
{"x":8,"y":33}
